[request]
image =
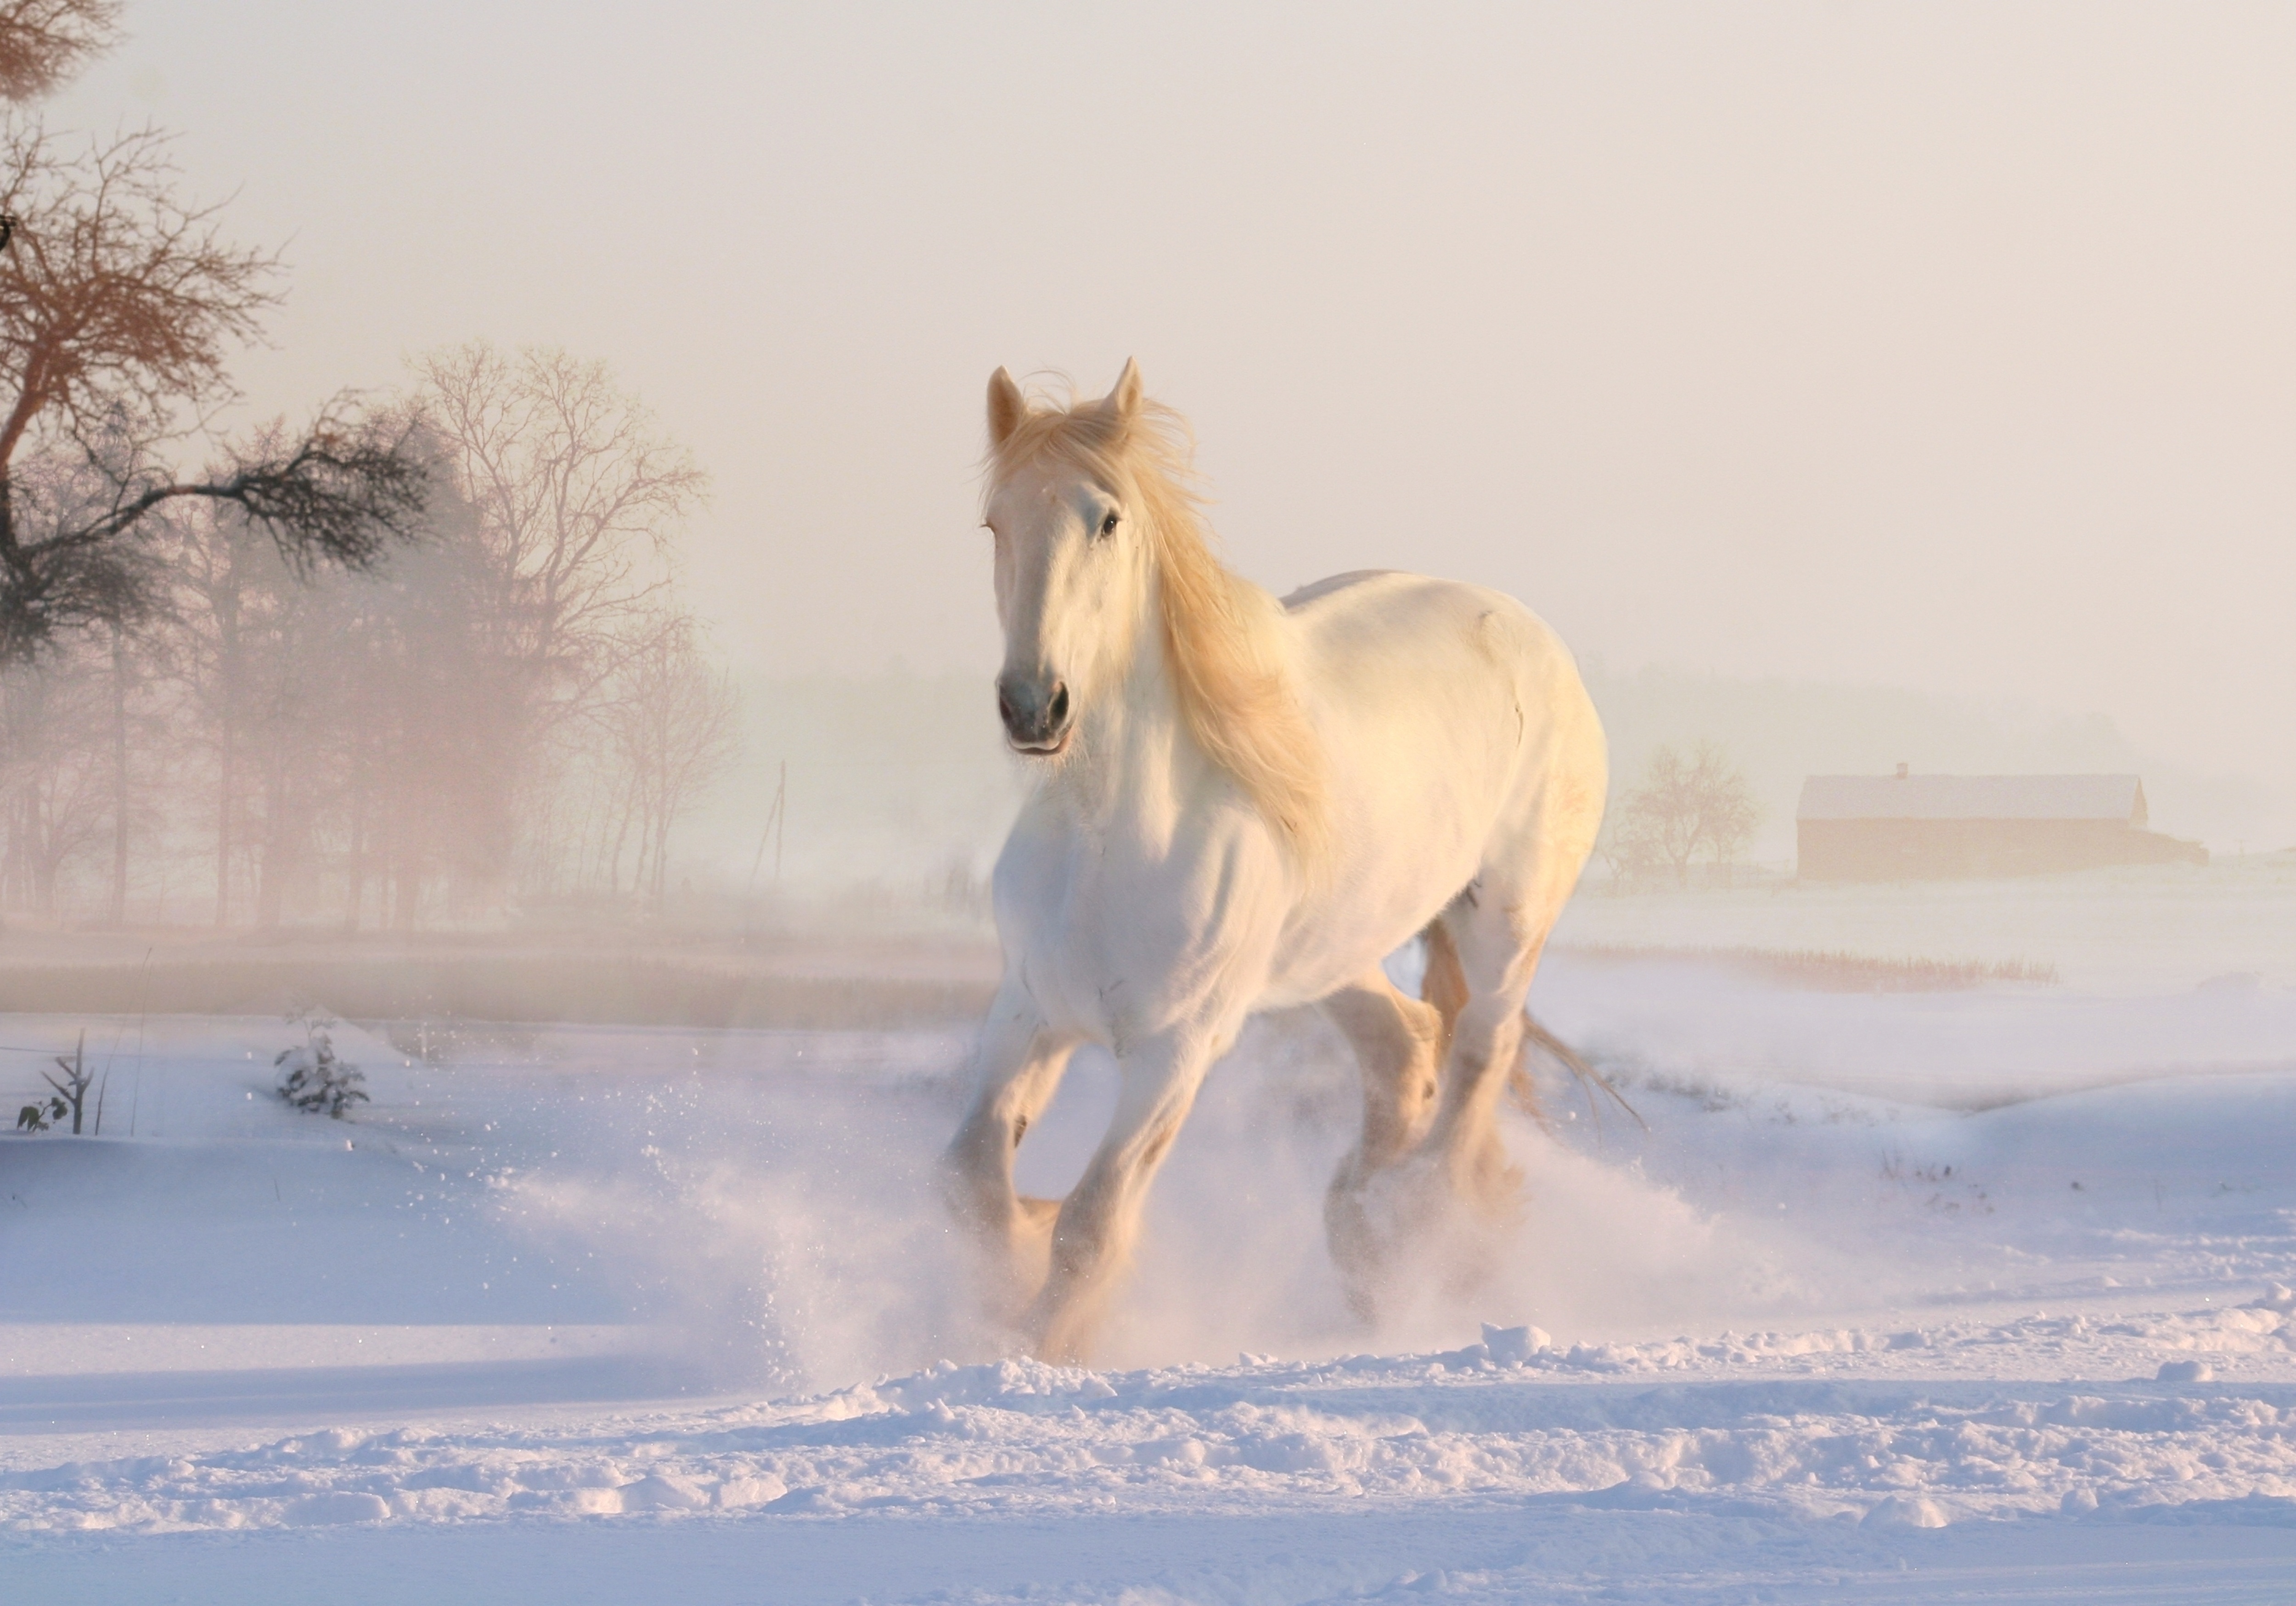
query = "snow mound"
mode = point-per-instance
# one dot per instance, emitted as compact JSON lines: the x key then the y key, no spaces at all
{"x":1892,"y":1448}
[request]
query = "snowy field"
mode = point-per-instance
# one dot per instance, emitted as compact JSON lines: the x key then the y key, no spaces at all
{"x":2138,"y":928}
{"x":1971,"y":1296}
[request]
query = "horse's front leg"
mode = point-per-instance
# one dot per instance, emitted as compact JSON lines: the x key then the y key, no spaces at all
{"x":1093,"y":1238}
{"x":1018,"y":1063}
{"x":1398,"y":1041}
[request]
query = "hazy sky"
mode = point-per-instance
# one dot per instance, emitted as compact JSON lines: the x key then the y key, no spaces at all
{"x":1938,"y":345}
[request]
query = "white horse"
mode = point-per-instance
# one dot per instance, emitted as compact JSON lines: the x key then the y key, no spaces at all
{"x":1245,"y":805}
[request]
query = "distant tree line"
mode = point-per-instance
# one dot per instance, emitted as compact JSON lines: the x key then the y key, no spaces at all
{"x":418,"y":658}
{"x":510,"y":707}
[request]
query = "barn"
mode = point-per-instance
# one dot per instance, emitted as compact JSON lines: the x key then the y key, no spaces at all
{"x":1909,"y":827}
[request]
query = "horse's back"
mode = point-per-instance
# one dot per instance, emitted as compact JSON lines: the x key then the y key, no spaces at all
{"x":1403,"y":647}
{"x":1316,"y":591}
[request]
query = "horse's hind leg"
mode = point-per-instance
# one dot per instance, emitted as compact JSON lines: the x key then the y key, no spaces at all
{"x":1497,"y":933}
{"x":1399,"y":1043}
{"x":1020,"y":1063}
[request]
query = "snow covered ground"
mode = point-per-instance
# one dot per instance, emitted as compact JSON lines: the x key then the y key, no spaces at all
{"x":1958,"y":1296}
{"x":2135,"y":928}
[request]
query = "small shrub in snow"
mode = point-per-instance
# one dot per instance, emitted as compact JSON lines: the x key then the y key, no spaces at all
{"x":68,"y":1099}
{"x":313,"y":1078}
{"x":39,"y":1117}
{"x":72,"y":1093}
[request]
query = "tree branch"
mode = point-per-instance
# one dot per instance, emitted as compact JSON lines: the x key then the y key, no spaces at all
{"x":340,"y":493}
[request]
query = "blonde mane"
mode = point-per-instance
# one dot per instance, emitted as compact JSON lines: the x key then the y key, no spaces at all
{"x":1237,"y":694}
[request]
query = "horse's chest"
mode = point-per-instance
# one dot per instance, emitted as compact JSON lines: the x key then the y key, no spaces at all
{"x":1100,"y":955}
{"x":1118,"y":945}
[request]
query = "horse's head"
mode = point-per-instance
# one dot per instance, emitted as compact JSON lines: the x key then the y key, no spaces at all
{"x":1072,"y":556}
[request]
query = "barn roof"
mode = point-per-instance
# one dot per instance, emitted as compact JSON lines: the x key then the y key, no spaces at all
{"x":1973,"y":798}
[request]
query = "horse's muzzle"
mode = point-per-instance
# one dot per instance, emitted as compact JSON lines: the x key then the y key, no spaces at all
{"x":1036,"y":714}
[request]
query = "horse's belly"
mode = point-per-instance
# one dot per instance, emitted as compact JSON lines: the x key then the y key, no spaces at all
{"x":1332,"y":939}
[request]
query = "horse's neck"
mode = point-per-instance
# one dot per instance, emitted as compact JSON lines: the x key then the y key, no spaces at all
{"x":1136,"y":754}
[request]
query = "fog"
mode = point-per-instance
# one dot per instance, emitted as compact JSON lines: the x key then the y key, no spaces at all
{"x":1937,"y":347}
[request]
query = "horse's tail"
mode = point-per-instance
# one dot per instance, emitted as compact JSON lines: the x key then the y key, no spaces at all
{"x":1445,"y":986}
{"x":1589,"y":1078}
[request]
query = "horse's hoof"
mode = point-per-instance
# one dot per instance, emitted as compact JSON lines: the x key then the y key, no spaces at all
{"x":1062,"y":1339}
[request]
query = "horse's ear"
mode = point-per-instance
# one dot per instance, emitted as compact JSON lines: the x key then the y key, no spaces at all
{"x":1123,"y":403}
{"x":1006,"y":407}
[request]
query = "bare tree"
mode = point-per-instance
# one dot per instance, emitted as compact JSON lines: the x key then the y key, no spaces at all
{"x":78,"y":1080}
{"x":674,"y":725}
{"x":1682,"y":808}
{"x":220,"y":592}
{"x":53,"y":773}
{"x":121,"y":687}
{"x":576,"y":493}
{"x":118,"y":304}
{"x":432,"y":705}
{"x":43,"y":43}
{"x":356,"y":728}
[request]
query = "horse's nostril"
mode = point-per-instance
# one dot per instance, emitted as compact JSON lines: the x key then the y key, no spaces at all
{"x":1034,"y":715}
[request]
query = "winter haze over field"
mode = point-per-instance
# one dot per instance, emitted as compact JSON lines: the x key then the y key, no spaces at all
{"x":1934,"y":347}
{"x":1847,"y":387}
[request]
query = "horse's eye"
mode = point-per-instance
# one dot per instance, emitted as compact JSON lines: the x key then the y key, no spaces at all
{"x":1108,"y":525}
